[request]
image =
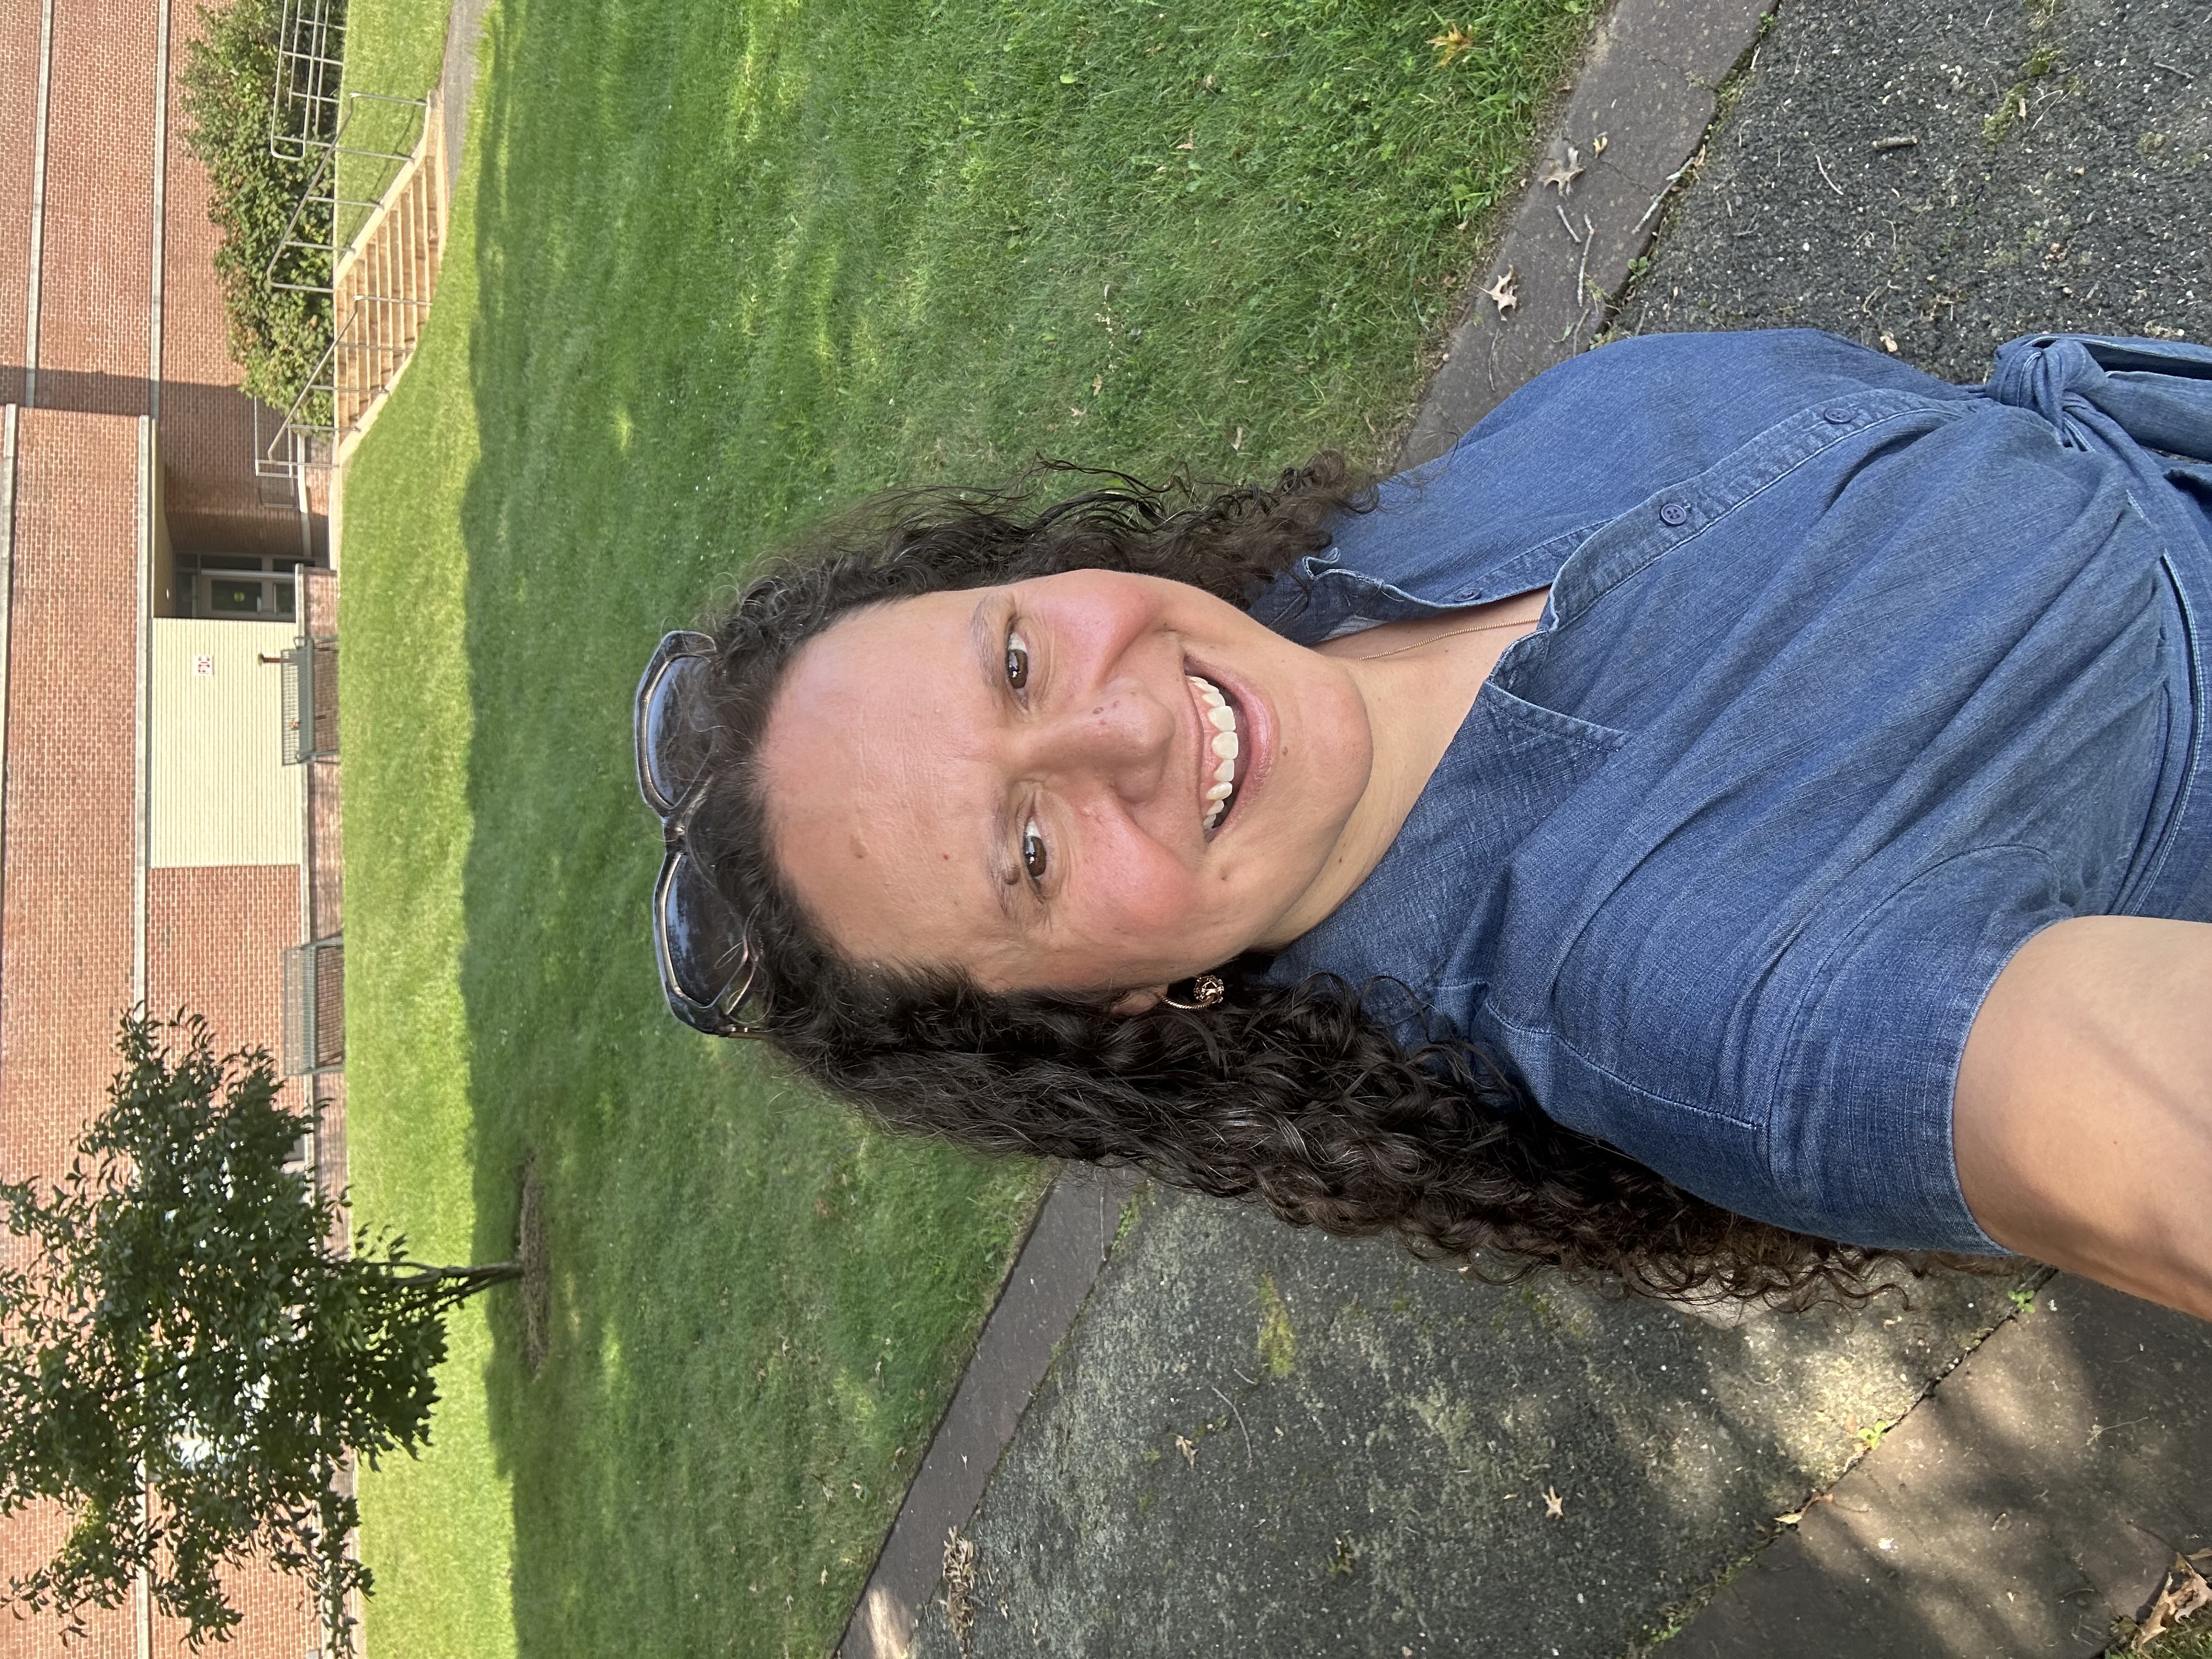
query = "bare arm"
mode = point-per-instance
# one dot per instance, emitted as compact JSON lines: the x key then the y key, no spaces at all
{"x":2083,"y":1112}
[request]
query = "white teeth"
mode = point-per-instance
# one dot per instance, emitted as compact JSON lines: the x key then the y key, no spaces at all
{"x":1222,"y":718}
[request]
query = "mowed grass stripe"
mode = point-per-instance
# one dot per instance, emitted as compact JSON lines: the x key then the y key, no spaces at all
{"x":713,"y":269}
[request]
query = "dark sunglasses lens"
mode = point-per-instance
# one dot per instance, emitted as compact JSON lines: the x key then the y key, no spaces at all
{"x":701,"y":933}
{"x":675,"y":734}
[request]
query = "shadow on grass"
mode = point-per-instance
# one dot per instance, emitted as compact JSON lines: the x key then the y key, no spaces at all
{"x":698,"y":297}
{"x":710,"y":271}
{"x":756,"y":1308}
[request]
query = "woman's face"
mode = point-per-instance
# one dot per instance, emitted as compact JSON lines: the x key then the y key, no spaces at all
{"x":1017,"y":781}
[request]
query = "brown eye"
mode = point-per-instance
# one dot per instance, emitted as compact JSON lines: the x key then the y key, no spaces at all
{"x":1033,"y":855}
{"x":1017,"y":661}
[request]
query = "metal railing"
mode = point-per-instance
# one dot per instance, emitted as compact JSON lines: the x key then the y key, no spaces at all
{"x":314,"y":1007}
{"x":356,"y":369}
{"x":312,"y":227}
{"x":303,"y":107}
{"x":311,"y":701}
{"x":304,"y":439}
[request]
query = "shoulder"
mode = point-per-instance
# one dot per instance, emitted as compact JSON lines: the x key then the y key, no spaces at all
{"x":1590,"y":438}
{"x":1676,"y":402}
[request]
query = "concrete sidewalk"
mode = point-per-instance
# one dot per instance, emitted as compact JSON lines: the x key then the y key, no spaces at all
{"x":1263,"y":1441}
{"x":1260,"y":1440}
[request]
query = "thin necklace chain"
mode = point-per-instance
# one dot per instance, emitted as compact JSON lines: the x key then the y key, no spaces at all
{"x":1529,"y":622}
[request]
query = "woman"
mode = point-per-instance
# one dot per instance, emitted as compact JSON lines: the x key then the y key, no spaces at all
{"x":1743,"y":814}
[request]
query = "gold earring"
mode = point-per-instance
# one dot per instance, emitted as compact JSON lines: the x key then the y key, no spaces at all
{"x":1206,"y":990}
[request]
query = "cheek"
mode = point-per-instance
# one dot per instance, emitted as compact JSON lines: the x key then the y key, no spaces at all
{"x":1139,"y":894}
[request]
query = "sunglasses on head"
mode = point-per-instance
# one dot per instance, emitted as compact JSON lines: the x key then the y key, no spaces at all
{"x":708,"y":968}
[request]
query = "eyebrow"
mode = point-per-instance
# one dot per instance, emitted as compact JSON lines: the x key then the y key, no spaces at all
{"x":1003,"y":880}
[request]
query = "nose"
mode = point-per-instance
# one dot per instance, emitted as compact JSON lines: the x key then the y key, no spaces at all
{"x":1120,"y":738}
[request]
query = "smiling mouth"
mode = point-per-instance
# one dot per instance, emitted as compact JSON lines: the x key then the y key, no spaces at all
{"x":1218,"y":759}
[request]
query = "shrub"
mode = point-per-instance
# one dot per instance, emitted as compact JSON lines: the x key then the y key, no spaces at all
{"x":277,"y":333}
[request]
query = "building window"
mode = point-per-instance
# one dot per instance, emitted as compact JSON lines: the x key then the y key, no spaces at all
{"x":238,"y":587}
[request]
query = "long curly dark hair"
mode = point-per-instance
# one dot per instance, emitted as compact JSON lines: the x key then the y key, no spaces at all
{"x":1297,"y":1096}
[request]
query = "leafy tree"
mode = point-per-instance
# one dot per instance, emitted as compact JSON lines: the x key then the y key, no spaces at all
{"x":189,"y":1352}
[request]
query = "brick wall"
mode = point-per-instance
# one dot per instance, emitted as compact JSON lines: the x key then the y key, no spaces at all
{"x":277,"y":1623}
{"x":67,"y":904}
{"x":66,"y":901}
{"x":214,"y":500}
{"x":215,"y":936}
{"x":318,"y":607}
{"x":34,"y":1536}
{"x":19,"y":75}
{"x":215,"y":940}
{"x":94,"y":304}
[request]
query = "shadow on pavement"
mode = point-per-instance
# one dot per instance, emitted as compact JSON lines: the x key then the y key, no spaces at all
{"x":1267,"y":1440}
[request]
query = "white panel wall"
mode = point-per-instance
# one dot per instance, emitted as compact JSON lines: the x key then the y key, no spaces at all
{"x":221,"y":792}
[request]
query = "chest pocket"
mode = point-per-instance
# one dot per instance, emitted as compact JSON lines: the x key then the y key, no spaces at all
{"x":1515,"y":766}
{"x":1425,"y":917}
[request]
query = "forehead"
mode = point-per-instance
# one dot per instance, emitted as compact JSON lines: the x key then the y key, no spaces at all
{"x":882,"y":804}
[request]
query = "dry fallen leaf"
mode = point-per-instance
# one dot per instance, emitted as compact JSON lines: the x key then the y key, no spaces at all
{"x":1795,"y":1516}
{"x":1598,"y":144}
{"x":1188,"y":1449}
{"x":1563,"y":165}
{"x":959,"y":1586}
{"x":1451,"y":45}
{"x":1500,"y":293}
{"x":2186,"y":1592}
{"x":1555,"y":1507}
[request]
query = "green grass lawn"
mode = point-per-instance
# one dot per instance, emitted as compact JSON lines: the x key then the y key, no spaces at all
{"x":393,"y":49}
{"x":715,"y":265}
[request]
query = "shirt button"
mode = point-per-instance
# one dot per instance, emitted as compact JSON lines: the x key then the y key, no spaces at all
{"x":1838,"y":416}
{"x":1674,"y":513}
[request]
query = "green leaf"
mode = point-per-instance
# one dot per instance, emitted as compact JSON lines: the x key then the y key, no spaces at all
{"x":184,"y":1328}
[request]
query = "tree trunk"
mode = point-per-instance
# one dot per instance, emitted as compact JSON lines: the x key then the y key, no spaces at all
{"x":459,"y":1283}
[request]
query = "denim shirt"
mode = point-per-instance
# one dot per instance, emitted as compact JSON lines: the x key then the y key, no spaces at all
{"x":1850,"y":680}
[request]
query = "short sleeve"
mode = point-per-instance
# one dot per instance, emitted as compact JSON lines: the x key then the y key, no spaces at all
{"x":1858,"y":1126}
{"x":1819,"y":1097}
